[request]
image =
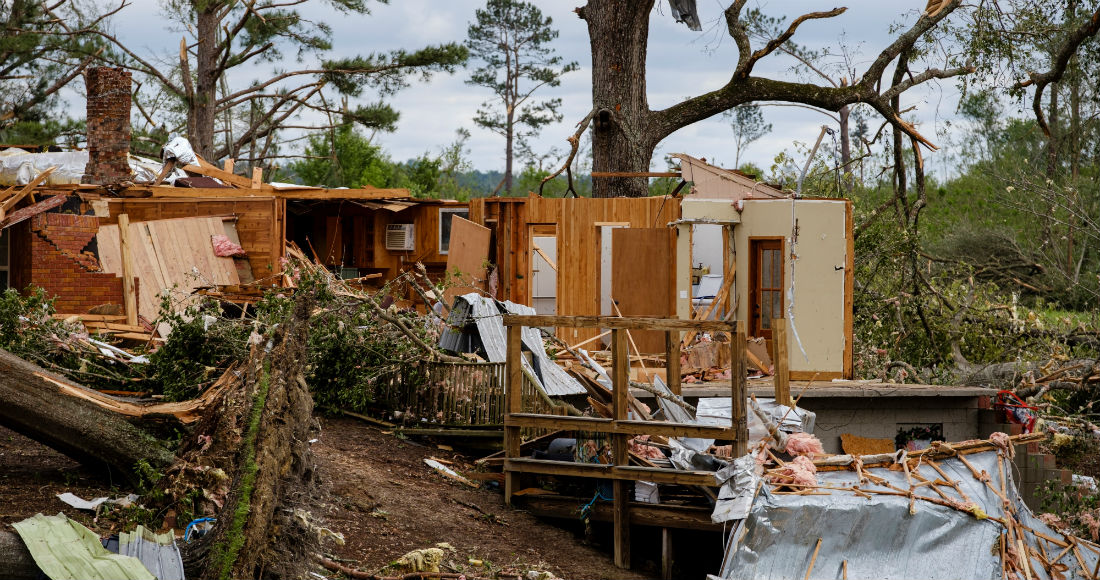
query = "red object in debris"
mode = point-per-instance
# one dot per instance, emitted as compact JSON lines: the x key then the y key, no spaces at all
{"x":224,"y":247}
{"x":1017,"y":410}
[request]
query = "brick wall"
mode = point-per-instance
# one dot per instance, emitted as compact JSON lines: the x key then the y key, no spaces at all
{"x":108,"y":126}
{"x":63,"y":262}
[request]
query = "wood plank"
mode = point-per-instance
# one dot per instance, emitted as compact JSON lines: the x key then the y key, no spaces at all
{"x":672,"y":361}
{"x":639,"y":258}
{"x":619,"y":426}
{"x":467,"y":254}
{"x":849,"y":290}
{"x":30,"y":211}
{"x":635,"y":174}
{"x":129,"y":293}
{"x":10,"y":202}
{"x":739,"y":390}
{"x":187,"y":193}
{"x":603,"y":471}
{"x":211,"y":171}
{"x":613,"y":322}
{"x":641,"y":514}
{"x":782,"y":379}
{"x":513,"y":396}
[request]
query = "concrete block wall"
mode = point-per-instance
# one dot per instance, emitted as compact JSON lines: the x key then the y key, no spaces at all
{"x":63,"y":264}
{"x":108,"y":119}
{"x":881,"y":417}
{"x":1033,"y":467}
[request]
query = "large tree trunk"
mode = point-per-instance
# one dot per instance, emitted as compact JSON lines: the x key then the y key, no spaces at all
{"x":622,"y":139}
{"x":258,"y":534}
{"x":15,"y":560}
{"x":201,"y":109}
{"x":73,"y":420}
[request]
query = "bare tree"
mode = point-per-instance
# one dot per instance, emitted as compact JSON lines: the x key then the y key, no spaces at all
{"x":227,"y":34}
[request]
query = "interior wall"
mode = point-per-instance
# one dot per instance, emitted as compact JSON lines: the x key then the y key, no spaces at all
{"x":578,"y":244}
{"x":821,"y":310}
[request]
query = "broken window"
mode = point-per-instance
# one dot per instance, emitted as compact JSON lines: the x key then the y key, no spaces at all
{"x":446,"y":215}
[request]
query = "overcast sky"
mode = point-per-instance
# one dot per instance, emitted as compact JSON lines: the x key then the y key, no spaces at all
{"x":681,"y":63}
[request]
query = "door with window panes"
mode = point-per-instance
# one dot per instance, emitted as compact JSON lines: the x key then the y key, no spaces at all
{"x":765,"y":285}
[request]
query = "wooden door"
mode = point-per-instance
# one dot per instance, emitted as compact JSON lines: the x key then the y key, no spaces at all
{"x":766,"y":285}
{"x":642,"y":266}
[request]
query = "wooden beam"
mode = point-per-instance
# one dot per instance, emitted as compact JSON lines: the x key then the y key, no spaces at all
{"x":318,"y":194}
{"x":672,"y":360}
{"x":620,"y":446}
{"x":129,"y":294}
{"x":614,"y":322}
{"x":257,"y":178}
{"x":228,"y":166}
{"x":544,"y":256}
{"x":739,"y":390}
{"x":599,"y":174}
{"x":602,"y":471}
{"x":619,"y":426}
{"x":229,"y":178}
{"x":10,"y":202}
{"x":782,"y":379}
{"x":513,"y":399}
{"x":641,"y":514}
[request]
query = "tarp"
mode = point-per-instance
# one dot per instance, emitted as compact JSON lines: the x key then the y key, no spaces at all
{"x":66,"y":550}
{"x":884,"y":536}
{"x":484,"y":313}
{"x":19,"y":167}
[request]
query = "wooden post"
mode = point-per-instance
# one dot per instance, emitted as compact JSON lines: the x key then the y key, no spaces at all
{"x":620,"y":365}
{"x":672,"y":360}
{"x":228,"y":168}
{"x":739,"y":389}
{"x":257,"y":177}
{"x":129,"y":296}
{"x":666,"y":554}
{"x":782,"y":379}
{"x":513,"y":403}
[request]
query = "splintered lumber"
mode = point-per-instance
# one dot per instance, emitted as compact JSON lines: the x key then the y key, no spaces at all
{"x":75,"y":420}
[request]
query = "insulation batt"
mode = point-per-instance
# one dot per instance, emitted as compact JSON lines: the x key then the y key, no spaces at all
{"x":224,"y":247}
{"x":804,"y":444}
{"x":639,"y":447}
{"x":801,"y":471}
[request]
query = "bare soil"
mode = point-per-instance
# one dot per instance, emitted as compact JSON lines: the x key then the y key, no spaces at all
{"x":382,"y":498}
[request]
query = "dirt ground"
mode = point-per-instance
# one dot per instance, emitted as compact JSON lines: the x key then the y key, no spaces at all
{"x":383,"y":499}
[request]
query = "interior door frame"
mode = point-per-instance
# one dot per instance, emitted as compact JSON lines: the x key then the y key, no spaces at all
{"x":756,"y":245}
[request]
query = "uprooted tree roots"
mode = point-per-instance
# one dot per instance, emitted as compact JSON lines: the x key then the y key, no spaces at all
{"x":260,"y":438}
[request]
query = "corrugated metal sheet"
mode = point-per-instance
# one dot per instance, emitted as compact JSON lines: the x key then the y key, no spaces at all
{"x":485,"y":315}
{"x":66,"y":550}
{"x":157,"y":552}
{"x":879,"y":538}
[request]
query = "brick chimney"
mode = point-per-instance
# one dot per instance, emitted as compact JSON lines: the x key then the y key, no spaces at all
{"x":108,"y":126}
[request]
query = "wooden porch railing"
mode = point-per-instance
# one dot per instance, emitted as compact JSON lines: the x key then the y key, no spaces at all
{"x":620,"y":426}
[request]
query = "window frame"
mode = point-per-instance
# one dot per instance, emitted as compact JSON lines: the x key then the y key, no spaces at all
{"x":465,"y":211}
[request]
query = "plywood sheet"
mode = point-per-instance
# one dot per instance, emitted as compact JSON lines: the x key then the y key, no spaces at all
{"x":169,"y":254}
{"x":856,"y":445}
{"x":467,"y":256}
{"x":642,"y":264}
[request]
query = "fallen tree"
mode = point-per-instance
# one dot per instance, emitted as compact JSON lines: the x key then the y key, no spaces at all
{"x":75,"y":420}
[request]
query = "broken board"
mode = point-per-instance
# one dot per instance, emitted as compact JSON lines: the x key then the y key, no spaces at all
{"x":466,"y":258}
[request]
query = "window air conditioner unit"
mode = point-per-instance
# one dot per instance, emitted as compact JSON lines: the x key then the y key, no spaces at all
{"x":400,"y":237}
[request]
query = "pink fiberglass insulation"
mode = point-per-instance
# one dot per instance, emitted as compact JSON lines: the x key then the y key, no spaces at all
{"x":804,"y":444}
{"x":801,"y":471}
{"x":638,"y":445}
{"x":224,"y":247}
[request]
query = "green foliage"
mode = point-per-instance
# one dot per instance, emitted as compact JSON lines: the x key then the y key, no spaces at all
{"x":200,"y":343}
{"x":345,"y":158}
